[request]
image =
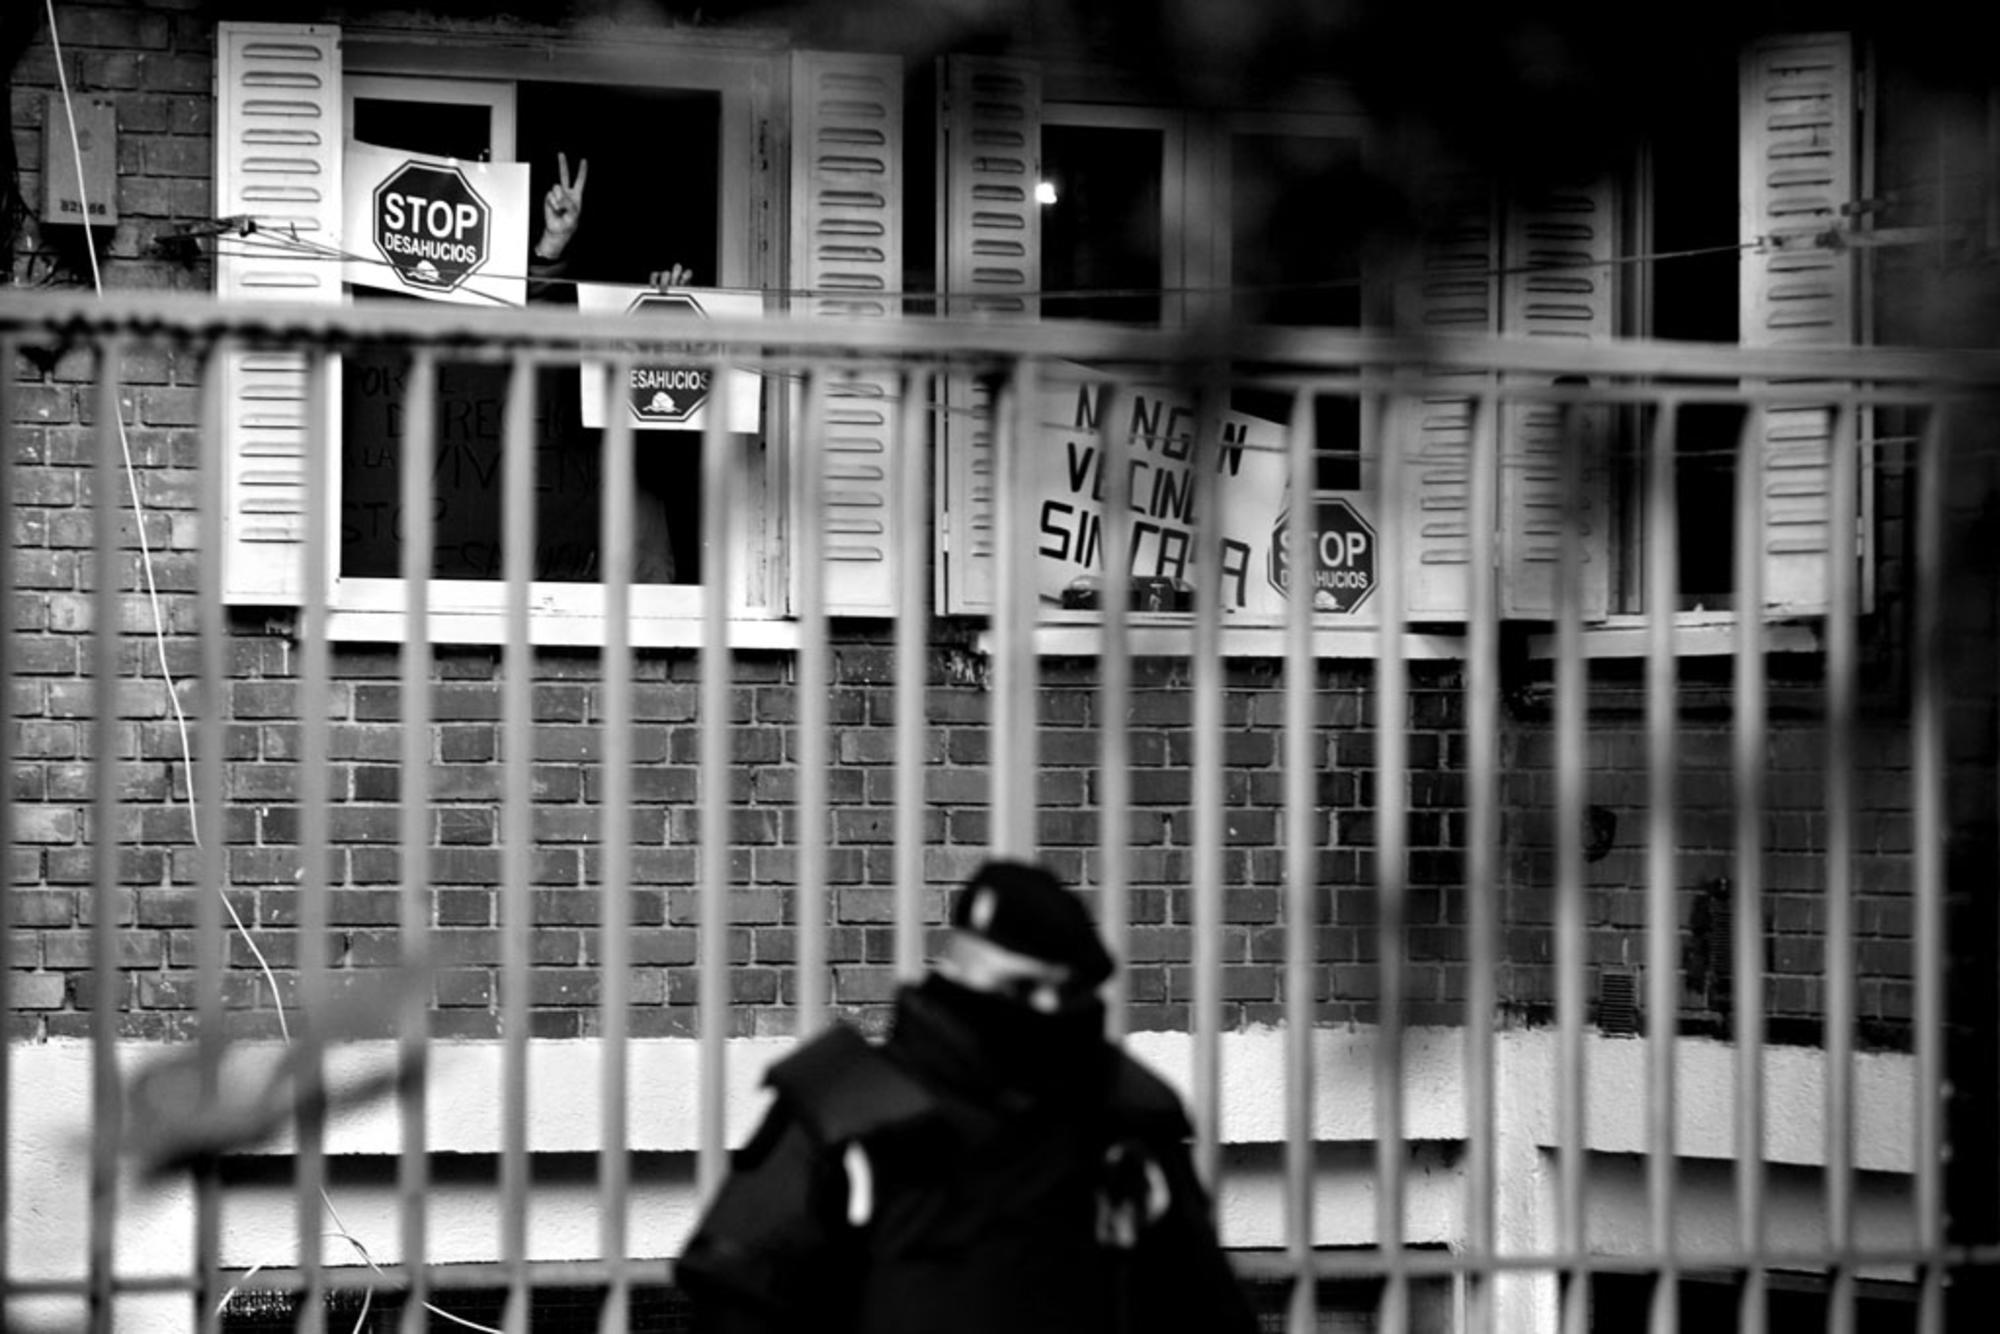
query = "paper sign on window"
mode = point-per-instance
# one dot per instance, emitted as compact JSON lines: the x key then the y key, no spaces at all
{"x":436,"y":227}
{"x":671,"y":394}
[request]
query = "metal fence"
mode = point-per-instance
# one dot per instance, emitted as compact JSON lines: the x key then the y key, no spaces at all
{"x":1856,"y":390}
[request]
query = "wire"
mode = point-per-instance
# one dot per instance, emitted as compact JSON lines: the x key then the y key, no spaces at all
{"x":297,"y":247}
{"x":173,"y":694}
{"x":125,"y":445}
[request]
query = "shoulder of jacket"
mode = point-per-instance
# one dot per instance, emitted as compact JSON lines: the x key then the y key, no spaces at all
{"x":1147,"y":1102}
{"x":843,"y":1087}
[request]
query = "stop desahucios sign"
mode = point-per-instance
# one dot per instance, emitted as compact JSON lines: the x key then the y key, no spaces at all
{"x":664,"y":391}
{"x":1342,"y":574}
{"x":431,"y":226}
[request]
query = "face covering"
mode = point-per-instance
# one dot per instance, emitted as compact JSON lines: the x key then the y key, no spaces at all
{"x":1023,"y":1047}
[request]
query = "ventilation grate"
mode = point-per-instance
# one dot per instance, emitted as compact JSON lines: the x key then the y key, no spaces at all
{"x":1708,"y":957}
{"x":1618,"y":1002}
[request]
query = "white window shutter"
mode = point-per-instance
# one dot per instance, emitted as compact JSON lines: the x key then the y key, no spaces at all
{"x":1561,"y":239}
{"x":990,"y":242}
{"x":847,"y":248}
{"x":277,"y":161}
{"x":1799,"y":166}
{"x":1452,"y":288}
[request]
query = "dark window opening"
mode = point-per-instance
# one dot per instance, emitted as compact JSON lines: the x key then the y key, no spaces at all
{"x":1101,"y":236}
{"x":1295,"y":229}
{"x":450,"y":129}
{"x":1692,"y":281}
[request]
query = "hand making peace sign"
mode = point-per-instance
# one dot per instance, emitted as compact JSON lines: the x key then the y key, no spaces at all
{"x":562,"y":208}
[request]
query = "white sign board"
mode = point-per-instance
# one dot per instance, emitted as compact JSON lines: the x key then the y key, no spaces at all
{"x":1158,"y":423}
{"x":670,"y":395}
{"x":436,"y":227}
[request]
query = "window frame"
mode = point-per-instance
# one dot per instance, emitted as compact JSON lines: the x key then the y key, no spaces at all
{"x":1196,"y":159}
{"x":462,"y":611}
{"x":1712,"y":631}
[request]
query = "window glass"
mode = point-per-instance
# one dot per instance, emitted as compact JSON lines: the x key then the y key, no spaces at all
{"x":463,"y":130}
{"x":642,"y":212}
{"x":1689,"y":193}
{"x":1294,"y":235}
{"x":1295,"y":259}
{"x":1100,"y":197}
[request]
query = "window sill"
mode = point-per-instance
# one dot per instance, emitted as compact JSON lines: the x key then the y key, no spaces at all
{"x":547,"y":630}
{"x":373,"y":611}
{"x":1696,"y":635}
{"x":1162,"y":637}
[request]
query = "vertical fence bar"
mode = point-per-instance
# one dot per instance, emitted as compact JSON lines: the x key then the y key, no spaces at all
{"x":1014,"y":779}
{"x":1927,"y":760}
{"x":105,"y":976}
{"x":206,"y":787}
{"x":517,"y":795}
{"x":718,"y":531}
{"x":8,"y":370}
{"x":1572,"y":903}
{"x":1114,"y":738}
{"x":615,"y":924}
{"x":1750,"y":770}
{"x":1843,"y":504}
{"x":1391,"y":873}
{"x":1302,"y":842}
{"x":910,"y":484}
{"x":1482,"y":850}
{"x":814,"y":681}
{"x":1208,"y":868}
{"x":1662,"y":897}
{"x":414,"y":833}
{"x":314,"y":987}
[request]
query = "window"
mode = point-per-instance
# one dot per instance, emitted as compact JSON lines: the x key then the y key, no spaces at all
{"x":629,"y":230}
{"x":1150,"y":216}
{"x":1762,"y":149}
{"x":1683,"y":223}
{"x":305,"y":90}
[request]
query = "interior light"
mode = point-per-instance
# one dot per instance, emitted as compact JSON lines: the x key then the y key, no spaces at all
{"x":1045,"y":192}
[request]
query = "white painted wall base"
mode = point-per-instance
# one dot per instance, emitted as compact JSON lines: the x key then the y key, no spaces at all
{"x":47,"y":1226}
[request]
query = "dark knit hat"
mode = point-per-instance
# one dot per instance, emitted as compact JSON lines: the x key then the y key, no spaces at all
{"x":1021,"y":907}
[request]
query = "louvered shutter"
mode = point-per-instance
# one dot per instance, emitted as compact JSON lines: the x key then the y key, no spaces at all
{"x":1560,"y":241}
{"x":847,"y":248}
{"x":1452,"y":288}
{"x":278,"y":149}
{"x":989,"y":154}
{"x":1798,"y":169}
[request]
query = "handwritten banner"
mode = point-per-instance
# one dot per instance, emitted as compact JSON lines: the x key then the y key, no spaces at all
{"x":1159,"y":423}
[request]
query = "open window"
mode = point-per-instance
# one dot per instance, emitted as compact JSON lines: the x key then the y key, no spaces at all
{"x":1153,"y":217}
{"x":488,"y":107}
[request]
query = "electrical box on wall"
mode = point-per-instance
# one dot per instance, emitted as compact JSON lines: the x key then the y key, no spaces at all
{"x":64,"y":197}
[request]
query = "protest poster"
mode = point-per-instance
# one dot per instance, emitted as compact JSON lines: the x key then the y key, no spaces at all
{"x":436,"y":227}
{"x":1159,"y":423}
{"x":671,"y":394}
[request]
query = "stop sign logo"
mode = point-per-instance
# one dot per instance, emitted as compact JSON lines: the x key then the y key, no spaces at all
{"x":431,"y":225}
{"x":666,"y":392}
{"x":1342,"y":573}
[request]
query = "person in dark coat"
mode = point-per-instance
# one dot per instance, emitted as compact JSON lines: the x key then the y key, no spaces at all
{"x":995,"y":1166}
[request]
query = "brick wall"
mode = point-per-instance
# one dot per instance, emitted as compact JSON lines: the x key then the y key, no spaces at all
{"x":154,"y":62}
